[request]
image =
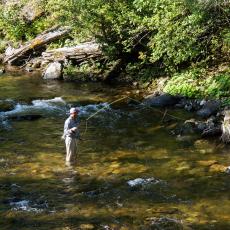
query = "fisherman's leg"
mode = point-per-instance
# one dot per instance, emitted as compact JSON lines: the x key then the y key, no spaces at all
{"x":68,"y":142}
{"x":73,"y":150}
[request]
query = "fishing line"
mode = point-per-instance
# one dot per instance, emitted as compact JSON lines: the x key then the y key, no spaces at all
{"x":132,"y":99}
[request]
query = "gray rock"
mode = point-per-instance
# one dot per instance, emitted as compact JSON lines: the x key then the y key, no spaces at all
{"x":201,"y":126}
{"x":209,"y":108}
{"x":162,"y":100}
{"x":32,"y":10}
{"x":53,"y":71}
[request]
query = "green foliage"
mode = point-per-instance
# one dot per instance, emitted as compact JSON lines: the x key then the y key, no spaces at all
{"x":197,"y":83}
{"x":218,"y":86}
{"x":185,"y":83}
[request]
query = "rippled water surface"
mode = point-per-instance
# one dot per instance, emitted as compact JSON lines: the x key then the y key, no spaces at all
{"x":132,"y":172}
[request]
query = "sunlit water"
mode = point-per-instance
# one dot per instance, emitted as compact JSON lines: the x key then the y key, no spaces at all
{"x":131,"y":173}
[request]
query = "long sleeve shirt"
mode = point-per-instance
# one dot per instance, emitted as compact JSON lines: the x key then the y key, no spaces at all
{"x":69,"y":124}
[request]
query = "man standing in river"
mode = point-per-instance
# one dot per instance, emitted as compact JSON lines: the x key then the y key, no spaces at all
{"x":71,"y":136}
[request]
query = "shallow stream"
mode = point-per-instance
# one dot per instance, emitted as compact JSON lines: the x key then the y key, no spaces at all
{"x":132,"y":172}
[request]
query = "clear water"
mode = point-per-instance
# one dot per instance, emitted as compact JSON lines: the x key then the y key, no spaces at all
{"x":132,"y":173}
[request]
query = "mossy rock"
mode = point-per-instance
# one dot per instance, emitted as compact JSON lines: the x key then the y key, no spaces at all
{"x":6,"y":106}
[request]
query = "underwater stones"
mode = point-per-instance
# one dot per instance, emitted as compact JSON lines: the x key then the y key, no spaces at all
{"x":162,"y":100}
{"x":165,"y":223}
{"x":53,"y":71}
{"x":142,"y":182}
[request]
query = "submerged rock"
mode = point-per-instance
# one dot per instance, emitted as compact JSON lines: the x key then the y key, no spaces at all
{"x":162,"y":100}
{"x":166,"y":223}
{"x":140,"y":182}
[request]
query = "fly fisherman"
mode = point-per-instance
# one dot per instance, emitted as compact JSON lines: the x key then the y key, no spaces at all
{"x":71,"y":136}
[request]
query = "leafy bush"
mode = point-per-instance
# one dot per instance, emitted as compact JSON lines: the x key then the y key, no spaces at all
{"x":186,"y":83}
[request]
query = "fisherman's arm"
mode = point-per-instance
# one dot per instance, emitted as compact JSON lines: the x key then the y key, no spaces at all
{"x":68,"y":129}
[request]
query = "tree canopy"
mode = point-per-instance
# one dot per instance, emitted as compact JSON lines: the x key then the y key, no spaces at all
{"x":166,"y":35}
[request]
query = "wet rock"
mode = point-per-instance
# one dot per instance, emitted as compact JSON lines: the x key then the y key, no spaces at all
{"x":215,"y":131}
{"x":188,"y":104}
{"x":53,"y":71}
{"x":208,"y":109}
{"x":6,"y":105}
{"x":162,"y":100}
{"x":201,"y":126}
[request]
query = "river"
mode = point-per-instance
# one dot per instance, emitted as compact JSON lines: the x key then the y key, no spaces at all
{"x":132,"y":172}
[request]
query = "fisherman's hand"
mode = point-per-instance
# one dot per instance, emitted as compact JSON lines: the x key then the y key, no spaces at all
{"x":74,"y":129}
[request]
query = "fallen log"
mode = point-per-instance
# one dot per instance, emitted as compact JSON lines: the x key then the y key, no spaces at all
{"x":78,"y":53}
{"x":25,"y":52}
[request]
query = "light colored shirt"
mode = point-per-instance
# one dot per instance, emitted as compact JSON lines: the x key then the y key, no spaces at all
{"x":69,"y":124}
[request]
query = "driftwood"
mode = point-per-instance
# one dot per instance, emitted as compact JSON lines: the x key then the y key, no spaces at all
{"x":24,"y":53}
{"x":79,"y":53}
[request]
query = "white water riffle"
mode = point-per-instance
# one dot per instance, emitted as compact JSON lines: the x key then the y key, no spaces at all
{"x":56,"y":106}
{"x":42,"y":107}
{"x":53,"y":107}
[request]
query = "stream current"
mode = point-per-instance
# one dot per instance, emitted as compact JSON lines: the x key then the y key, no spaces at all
{"x":131,"y":173}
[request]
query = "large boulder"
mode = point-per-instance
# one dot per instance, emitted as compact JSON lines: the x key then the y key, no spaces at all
{"x":208,"y":109}
{"x":162,"y":100}
{"x":53,"y":71}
